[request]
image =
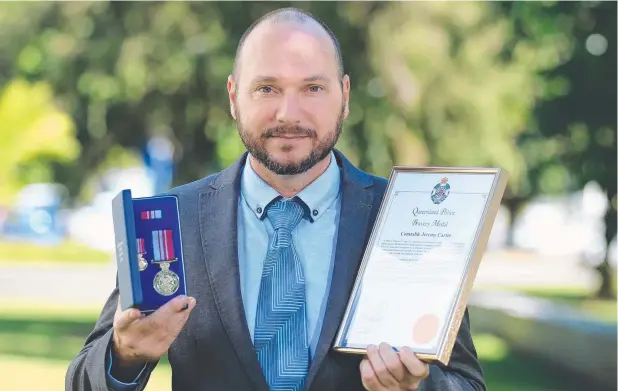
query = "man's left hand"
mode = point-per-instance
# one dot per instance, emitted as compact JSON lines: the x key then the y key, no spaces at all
{"x":384,"y":369}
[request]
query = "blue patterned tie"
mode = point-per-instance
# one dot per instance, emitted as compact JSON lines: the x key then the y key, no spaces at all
{"x":280,"y":336}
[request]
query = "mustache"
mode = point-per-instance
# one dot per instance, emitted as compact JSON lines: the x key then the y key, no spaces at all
{"x":297,"y":131}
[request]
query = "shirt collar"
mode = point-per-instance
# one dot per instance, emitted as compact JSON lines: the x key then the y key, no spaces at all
{"x":318,"y":196}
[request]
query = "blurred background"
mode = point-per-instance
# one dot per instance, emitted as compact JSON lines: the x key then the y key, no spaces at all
{"x":96,"y":97}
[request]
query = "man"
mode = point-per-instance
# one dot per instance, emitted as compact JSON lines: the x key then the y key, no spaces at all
{"x":286,"y":224}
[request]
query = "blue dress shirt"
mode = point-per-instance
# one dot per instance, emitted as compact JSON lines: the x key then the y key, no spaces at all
{"x":314,"y":238}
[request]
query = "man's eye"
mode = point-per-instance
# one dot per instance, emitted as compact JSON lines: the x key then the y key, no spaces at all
{"x":265,"y":89}
{"x":315,"y":88}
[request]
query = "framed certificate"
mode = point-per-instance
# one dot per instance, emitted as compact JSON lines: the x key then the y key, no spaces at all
{"x":421,"y":260}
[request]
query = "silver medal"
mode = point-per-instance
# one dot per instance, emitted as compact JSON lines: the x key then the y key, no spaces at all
{"x":166,"y":282}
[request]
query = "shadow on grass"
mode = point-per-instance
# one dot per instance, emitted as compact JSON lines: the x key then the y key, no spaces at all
{"x":48,"y":338}
{"x":517,"y":372}
{"x":507,"y":370}
{"x":61,"y":339}
{"x":56,"y":339}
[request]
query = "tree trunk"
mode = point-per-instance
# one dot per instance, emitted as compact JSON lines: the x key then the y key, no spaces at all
{"x":513,"y":205}
{"x":606,"y":288}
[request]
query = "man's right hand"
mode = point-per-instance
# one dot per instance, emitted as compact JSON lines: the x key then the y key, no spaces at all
{"x":139,"y":339}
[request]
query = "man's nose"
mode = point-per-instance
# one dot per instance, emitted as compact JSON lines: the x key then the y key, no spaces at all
{"x":289,"y":109}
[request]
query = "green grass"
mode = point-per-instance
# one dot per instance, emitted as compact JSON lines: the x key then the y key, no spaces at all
{"x":43,"y":341}
{"x":506,"y":370}
{"x":66,"y":252}
{"x":43,"y":374}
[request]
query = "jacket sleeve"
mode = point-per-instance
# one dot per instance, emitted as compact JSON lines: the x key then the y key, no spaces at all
{"x":112,"y":377}
{"x":463,"y":372}
{"x":89,"y":369}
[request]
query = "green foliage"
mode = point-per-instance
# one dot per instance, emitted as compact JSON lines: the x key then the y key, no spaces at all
{"x":574,"y":125}
{"x":34,"y":132}
{"x":454,"y":89}
{"x":461,"y":84}
{"x":574,"y":137}
{"x":126,"y":71}
{"x":507,"y":84}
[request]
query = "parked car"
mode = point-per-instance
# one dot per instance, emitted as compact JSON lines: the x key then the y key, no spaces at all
{"x":37,"y":215}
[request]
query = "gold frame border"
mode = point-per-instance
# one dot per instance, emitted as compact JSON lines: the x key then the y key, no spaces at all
{"x":479,"y":245}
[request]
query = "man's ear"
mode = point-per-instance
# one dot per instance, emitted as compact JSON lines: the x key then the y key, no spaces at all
{"x":231,"y":92}
{"x":345,"y":84}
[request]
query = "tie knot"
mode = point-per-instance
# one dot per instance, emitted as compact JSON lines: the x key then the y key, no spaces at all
{"x":285,"y":214}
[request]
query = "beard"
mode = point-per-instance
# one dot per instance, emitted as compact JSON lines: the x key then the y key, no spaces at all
{"x":257,"y":145}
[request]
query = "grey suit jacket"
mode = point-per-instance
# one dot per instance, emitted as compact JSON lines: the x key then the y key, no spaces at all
{"x":214,"y":351}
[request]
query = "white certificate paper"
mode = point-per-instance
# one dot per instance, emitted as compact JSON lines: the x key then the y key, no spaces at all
{"x":418,"y":258}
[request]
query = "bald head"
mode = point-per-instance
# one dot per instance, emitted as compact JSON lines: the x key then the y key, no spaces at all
{"x":288,"y":93}
{"x":289,"y":19}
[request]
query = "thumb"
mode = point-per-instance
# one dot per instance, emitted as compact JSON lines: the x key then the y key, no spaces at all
{"x":174,"y":306}
{"x":172,"y":314}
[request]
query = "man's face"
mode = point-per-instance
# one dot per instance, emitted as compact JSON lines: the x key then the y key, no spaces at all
{"x":289,"y":102}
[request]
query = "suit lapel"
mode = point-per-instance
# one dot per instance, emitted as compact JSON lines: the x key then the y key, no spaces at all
{"x":218,"y":214}
{"x":219,"y":234}
{"x":356,"y":201}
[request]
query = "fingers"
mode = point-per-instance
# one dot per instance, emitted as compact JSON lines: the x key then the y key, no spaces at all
{"x":166,"y":322}
{"x":177,"y":304}
{"x":417,"y":368}
{"x":382,"y":372}
{"x":122,"y":319}
{"x":385,"y":369}
{"x":368,"y":376}
{"x":172,"y":316}
{"x":392,"y":362}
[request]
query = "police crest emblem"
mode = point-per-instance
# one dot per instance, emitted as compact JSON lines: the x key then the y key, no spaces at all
{"x":440,"y":191}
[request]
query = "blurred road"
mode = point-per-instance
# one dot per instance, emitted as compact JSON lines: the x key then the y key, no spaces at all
{"x":91,"y":284}
{"x":525,"y":269}
{"x":59,"y":284}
